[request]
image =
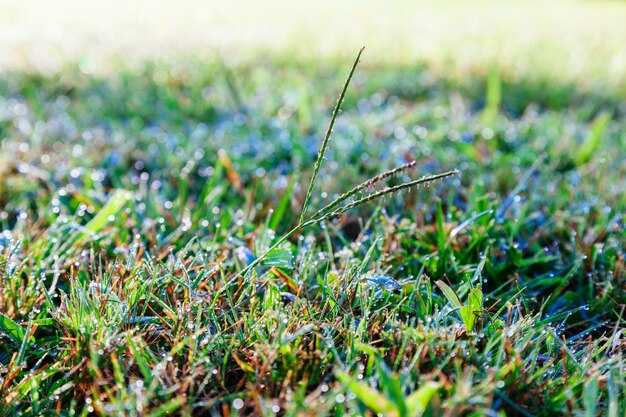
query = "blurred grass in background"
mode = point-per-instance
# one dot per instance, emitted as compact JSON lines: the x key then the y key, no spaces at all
{"x":570,"y":41}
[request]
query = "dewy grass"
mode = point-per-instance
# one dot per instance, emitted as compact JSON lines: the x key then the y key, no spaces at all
{"x":330,"y":210}
{"x":502,"y":294}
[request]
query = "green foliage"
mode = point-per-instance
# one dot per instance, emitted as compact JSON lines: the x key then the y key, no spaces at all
{"x":154,"y":260}
{"x":12,"y":329}
{"x":473,"y":309}
{"x":592,"y":142}
{"x":392,"y":401}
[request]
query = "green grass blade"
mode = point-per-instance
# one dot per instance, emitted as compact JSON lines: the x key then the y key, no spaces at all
{"x":468,"y":318}
{"x":420,"y":399}
{"x":167,"y":408}
{"x":392,"y":386}
{"x":450,"y":294}
{"x":141,"y":361}
{"x":280,"y":257}
{"x":372,"y":399}
{"x":24,"y":346}
{"x":441,"y":238}
{"x":493,"y":97}
{"x":368,"y":256}
{"x":590,"y":396}
{"x":283,"y":205}
{"x":592,"y":142}
{"x":12,"y":329}
{"x":116,"y":203}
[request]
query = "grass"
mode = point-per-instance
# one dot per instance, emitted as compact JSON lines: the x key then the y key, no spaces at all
{"x":162,"y":251}
{"x":573,"y":40}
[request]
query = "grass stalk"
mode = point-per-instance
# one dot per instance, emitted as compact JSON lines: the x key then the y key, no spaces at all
{"x":329,"y":131}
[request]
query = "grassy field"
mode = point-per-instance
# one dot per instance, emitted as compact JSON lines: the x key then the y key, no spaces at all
{"x":572,"y":40}
{"x":181,"y":236}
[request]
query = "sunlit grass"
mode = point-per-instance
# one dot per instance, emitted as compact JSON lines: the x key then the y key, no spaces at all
{"x":580,"y":41}
{"x":187,"y":236}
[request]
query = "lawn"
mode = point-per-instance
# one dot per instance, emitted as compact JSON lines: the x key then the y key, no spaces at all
{"x":184,"y":235}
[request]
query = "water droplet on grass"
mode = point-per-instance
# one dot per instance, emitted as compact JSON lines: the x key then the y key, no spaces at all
{"x":238,"y":404}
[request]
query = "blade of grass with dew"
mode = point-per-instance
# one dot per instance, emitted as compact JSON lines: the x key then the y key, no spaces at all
{"x":280,"y":257}
{"x":464,"y":224}
{"x":115,"y":204}
{"x":140,"y":359}
{"x":11,"y":329}
{"x":373,"y":399}
{"x":168,"y":407}
{"x":24,"y":346}
{"x":449,"y":293}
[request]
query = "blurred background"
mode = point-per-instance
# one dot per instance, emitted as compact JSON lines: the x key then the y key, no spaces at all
{"x":581,"y":41}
